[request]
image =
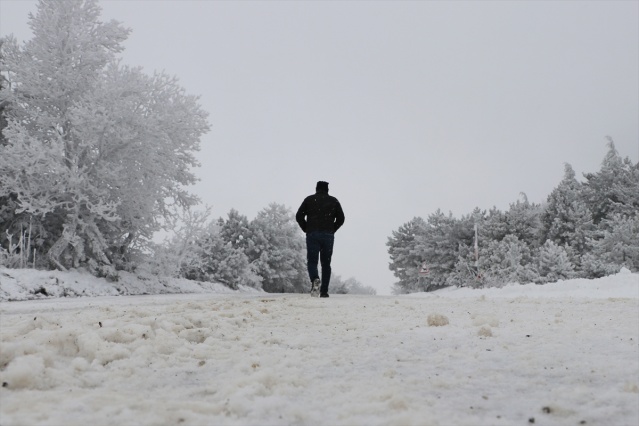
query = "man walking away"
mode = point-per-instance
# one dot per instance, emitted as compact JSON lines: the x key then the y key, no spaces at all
{"x":320,"y":216}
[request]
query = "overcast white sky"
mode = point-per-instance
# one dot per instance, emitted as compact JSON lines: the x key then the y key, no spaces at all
{"x":404,"y":107}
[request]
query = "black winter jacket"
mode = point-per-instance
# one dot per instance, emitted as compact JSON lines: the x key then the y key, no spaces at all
{"x":320,"y":212}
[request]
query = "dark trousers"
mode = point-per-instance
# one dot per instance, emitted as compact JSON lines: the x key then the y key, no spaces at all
{"x":319,"y":245}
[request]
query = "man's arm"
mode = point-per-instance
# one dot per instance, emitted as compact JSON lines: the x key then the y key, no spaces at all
{"x":339,"y":216}
{"x":300,"y":216}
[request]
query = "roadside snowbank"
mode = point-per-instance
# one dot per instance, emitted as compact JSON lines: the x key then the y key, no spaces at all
{"x":29,"y":284}
{"x":623,"y":284}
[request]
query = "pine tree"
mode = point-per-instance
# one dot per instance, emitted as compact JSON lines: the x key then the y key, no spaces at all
{"x":465,"y":272}
{"x":236,"y":230}
{"x":220,"y":262}
{"x":439,"y":246}
{"x":278,"y":251}
{"x":523,"y":220}
{"x":566,"y":219}
{"x":507,"y":261}
{"x":627,"y":189}
{"x":493,"y":226}
{"x":553,"y":263}
{"x":405,"y":259}
{"x":615,"y":188}
{"x":613,"y":246}
{"x":186,"y":247}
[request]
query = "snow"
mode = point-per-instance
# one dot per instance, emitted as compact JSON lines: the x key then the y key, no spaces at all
{"x":624,"y":284}
{"x":559,"y":354}
{"x":26,"y":284}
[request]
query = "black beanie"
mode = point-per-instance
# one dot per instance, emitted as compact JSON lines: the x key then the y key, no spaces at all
{"x":322,"y":186}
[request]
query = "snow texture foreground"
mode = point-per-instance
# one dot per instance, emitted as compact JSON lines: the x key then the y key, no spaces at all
{"x":526,"y":354}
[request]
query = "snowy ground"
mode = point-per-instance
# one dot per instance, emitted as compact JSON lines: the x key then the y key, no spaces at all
{"x":559,"y":354}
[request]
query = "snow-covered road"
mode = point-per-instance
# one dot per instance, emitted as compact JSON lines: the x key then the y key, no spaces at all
{"x":349,"y":360}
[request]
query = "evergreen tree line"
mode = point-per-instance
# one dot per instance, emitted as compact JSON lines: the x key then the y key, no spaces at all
{"x":268,"y":252}
{"x":584,"y":229}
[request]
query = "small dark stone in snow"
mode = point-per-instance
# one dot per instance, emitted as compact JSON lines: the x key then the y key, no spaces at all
{"x":527,"y":335}
{"x":5,"y":384}
{"x":546,"y":410}
{"x":531,"y":420}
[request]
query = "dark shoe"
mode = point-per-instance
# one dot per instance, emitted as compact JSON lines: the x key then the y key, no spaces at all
{"x":324,"y":295}
{"x":315,"y":287}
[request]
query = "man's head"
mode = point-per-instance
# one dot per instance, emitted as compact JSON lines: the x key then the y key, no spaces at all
{"x":322,"y":186}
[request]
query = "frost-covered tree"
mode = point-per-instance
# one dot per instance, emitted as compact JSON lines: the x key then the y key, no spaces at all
{"x":615,"y":188}
{"x":185,"y":245}
{"x":3,"y":104}
{"x":278,"y":251}
{"x":523,"y":220}
{"x":493,"y":226}
{"x":356,"y":287}
{"x":405,"y":258}
{"x":489,"y":228}
{"x":349,"y":286}
{"x":44,"y":78}
{"x":582,"y":230}
{"x":219,"y":261}
{"x":505,"y":240}
{"x":507,"y":261}
{"x":432,"y":246}
{"x":198,"y":251}
{"x":613,"y":246}
{"x":236,"y":230}
{"x":627,"y":189}
{"x":465,"y":273}
{"x":553,"y":263}
{"x":13,"y":223}
{"x":566,"y":219}
{"x":99,"y":152}
{"x":439,"y":246}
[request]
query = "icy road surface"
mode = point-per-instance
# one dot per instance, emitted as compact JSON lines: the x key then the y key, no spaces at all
{"x":502,"y":359}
